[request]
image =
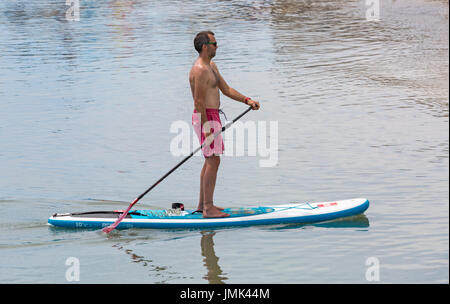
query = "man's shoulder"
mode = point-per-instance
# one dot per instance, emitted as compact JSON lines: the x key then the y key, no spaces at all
{"x":199,"y":69}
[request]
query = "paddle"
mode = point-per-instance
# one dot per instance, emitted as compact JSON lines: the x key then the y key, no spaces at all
{"x":124,"y":214}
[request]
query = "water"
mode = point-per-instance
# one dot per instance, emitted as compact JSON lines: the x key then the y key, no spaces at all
{"x":362,"y":111}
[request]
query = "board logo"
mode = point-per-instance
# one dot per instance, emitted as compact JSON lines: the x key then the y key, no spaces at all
{"x":327,"y":205}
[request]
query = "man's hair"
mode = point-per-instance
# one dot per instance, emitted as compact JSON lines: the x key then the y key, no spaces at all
{"x":201,"y":39}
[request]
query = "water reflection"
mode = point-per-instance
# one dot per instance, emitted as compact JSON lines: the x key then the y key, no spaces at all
{"x":214,"y":273}
{"x":357,"y":221}
{"x":161,"y":272}
{"x":328,"y":47}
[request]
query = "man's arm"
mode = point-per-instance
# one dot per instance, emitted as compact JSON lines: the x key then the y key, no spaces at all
{"x":232,"y":93}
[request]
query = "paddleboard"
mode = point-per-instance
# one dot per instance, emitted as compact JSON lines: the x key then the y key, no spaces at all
{"x":177,"y":218}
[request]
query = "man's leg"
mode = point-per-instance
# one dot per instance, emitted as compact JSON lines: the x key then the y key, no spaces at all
{"x":200,"y":199}
{"x":211,"y":167}
{"x":201,"y":195}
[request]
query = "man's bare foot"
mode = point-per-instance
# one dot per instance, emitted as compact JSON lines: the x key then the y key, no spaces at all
{"x":200,"y":208}
{"x":214,"y":214}
{"x":210,"y":210}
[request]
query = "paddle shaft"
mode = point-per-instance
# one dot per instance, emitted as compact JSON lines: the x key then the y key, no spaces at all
{"x":114,"y":225}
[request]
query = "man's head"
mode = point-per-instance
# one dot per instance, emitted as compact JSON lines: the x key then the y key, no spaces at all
{"x":206,"y":42}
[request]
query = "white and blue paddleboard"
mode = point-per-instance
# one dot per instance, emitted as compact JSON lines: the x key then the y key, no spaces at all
{"x":177,"y":218}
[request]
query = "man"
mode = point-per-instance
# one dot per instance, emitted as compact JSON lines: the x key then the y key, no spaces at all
{"x":205,"y":81}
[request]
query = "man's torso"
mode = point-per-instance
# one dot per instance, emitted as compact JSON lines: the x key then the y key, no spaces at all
{"x":212,"y":96}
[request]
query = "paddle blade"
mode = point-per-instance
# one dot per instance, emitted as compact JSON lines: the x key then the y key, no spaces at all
{"x":117,"y":222}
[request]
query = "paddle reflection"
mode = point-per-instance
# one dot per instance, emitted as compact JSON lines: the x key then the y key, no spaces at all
{"x":214,"y":273}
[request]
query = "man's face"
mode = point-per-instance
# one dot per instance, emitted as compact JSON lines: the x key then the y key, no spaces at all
{"x":212,"y":46}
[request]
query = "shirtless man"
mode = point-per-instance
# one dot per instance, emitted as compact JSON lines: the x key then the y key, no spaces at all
{"x":205,"y":81}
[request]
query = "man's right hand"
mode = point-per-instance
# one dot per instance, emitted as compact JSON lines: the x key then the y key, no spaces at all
{"x":209,"y":138}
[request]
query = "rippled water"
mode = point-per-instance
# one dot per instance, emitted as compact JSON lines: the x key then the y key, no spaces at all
{"x":362,"y":111}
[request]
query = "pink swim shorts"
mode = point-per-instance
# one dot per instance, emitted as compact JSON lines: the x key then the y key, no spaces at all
{"x":216,"y":147}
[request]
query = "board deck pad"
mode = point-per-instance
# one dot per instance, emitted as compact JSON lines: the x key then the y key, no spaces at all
{"x":189,"y":214}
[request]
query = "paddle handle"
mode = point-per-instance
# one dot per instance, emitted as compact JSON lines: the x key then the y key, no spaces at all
{"x":124,"y":214}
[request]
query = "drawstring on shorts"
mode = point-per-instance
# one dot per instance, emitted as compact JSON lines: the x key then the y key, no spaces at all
{"x":223,"y":113}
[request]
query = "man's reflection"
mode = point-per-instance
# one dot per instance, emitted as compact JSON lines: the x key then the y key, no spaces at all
{"x":214,"y":274}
